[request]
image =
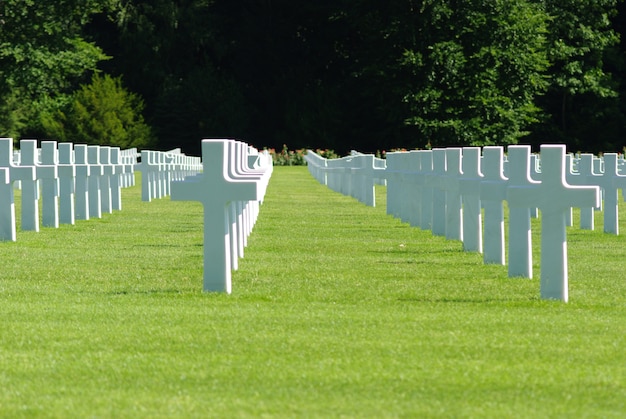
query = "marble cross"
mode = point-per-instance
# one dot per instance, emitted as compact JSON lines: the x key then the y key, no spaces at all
{"x":520,"y":239}
{"x":30,"y":190}
{"x":553,"y":196}
{"x":425,"y":189}
{"x":454,"y":218}
{"x":50,"y":186}
{"x":117,"y":179}
{"x":81,"y":184}
{"x":67,"y":183}
{"x":470,"y":196}
{"x":439,"y":194}
{"x":96,"y":171}
{"x":610,"y":182}
{"x":492,"y":194}
{"x":215,"y":188}
{"x":585,"y":176}
{"x":15,"y":173}
{"x":7,"y":207}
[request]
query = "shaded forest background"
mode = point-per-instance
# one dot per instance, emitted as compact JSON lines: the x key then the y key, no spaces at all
{"x":342,"y":74}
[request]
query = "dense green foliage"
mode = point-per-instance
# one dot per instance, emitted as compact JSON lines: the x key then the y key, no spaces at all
{"x":481,"y":80}
{"x":348,"y":74}
{"x":102,"y":112}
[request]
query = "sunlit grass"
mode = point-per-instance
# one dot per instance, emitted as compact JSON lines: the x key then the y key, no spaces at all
{"x":337,"y":310}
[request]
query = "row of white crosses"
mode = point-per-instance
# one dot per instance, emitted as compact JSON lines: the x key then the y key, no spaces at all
{"x":231,"y":188}
{"x":75,"y":182}
{"x":160,"y":168}
{"x":470,"y":181}
{"x":443,"y":190}
{"x":355,"y":175}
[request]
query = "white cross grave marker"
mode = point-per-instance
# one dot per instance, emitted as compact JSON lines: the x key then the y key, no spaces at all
{"x":30,"y":190}
{"x":412,"y":206}
{"x":316,"y":165}
{"x":16,"y":174}
{"x":7,"y":207}
{"x":611,"y":181}
{"x":216,"y":189}
{"x":67,"y":179}
{"x":492,"y":195}
{"x":366,"y":174}
{"x":553,"y":196}
{"x":50,"y":186}
{"x":117,"y":178}
{"x":149,"y":175}
{"x":394,"y":178}
{"x":520,"y":239}
{"x":470,"y":195}
{"x":244,"y":212}
{"x":439,"y":194}
{"x":454,"y":217}
{"x":83,"y":171}
{"x":96,"y":171}
{"x":586,"y":176}
{"x":106,"y":197}
{"x":425,"y":188}
{"x":535,"y":174}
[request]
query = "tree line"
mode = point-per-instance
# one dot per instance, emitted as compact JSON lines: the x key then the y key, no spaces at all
{"x":341,"y":74}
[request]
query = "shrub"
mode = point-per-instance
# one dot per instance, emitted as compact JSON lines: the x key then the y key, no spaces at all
{"x":288,"y":157}
{"x":102,"y":112}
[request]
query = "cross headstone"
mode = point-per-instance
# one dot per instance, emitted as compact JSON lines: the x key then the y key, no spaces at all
{"x":316,"y":165}
{"x":535,"y":174}
{"x":216,"y":189}
{"x":67,"y":181}
{"x":611,"y":181}
{"x":246,"y":211}
{"x":439,"y":193}
{"x":520,"y":239}
{"x":149,"y":177}
{"x":454,"y":218}
{"x":393,"y":175}
{"x":30,"y":190}
{"x":553,"y":196}
{"x":240,"y":212}
{"x":81,"y":185}
{"x":105,"y":180}
{"x":585,"y":176}
{"x":470,"y":196}
{"x":408,"y":179}
{"x":96,"y":171}
{"x":492,"y":194}
{"x":570,"y":171}
{"x":367,"y":174}
{"x":50,"y":186}
{"x":129,"y":159}
{"x":16,"y":174}
{"x":162,"y":175}
{"x":117,"y":178}
{"x":425,"y":189}
{"x":7,"y":207}
{"x":414,"y":182}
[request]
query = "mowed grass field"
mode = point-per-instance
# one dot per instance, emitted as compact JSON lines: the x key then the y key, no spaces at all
{"x":337,"y":310}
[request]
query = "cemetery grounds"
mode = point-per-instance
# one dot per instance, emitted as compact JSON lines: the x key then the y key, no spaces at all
{"x":337,"y":310}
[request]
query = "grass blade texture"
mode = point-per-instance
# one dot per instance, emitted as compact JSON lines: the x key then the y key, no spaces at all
{"x":338,"y":310}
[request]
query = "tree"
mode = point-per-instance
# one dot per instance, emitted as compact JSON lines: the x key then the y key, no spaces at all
{"x":478,"y":67}
{"x":102,"y":112}
{"x":42,"y":56}
{"x":581,"y":102}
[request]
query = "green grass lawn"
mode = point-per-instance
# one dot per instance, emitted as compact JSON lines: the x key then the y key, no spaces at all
{"x":338,"y":310}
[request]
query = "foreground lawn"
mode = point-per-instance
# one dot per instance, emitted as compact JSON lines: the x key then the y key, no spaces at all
{"x":338,"y":310}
